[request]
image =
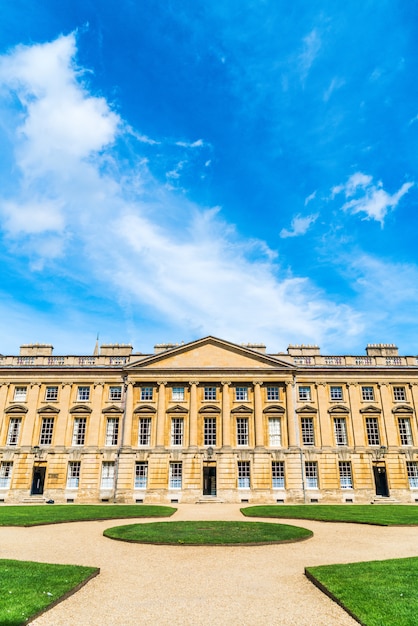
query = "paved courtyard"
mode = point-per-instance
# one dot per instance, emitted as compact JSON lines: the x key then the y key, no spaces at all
{"x":201,"y":586}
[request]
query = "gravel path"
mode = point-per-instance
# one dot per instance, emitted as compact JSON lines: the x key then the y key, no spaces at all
{"x":201,"y":586}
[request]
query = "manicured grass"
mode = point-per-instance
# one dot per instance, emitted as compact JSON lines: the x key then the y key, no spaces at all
{"x":376,"y":593}
{"x":27,"y":589}
{"x":208,"y":533}
{"x":34,"y":515}
{"x":380,"y":515}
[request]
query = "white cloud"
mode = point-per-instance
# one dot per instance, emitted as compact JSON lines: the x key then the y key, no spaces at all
{"x":187,"y":144}
{"x":311,"y":197}
{"x":311,"y":47}
{"x":130,"y":235}
{"x":299,"y":226}
{"x":370,"y":199}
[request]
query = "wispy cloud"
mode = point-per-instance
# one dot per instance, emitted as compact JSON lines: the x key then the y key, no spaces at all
{"x":370,"y":198}
{"x":311,"y":46}
{"x":126,"y":231}
{"x":299,"y":226}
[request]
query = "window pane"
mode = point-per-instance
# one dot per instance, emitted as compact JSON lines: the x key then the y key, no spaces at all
{"x":275,"y":438}
{"x":346,"y":481}
{"x":412,"y":469}
{"x":243,"y":474}
{"x":367,"y":394}
{"x":146,"y":393}
{"x":83,"y":394}
{"x":273,"y":393}
{"x":115,"y":394}
{"x":336,"y":393}
{"x":241,"y":394}
{"x":311,"y":474}
{"x":79,"y":432}
{"x":304,"y":393}
{"x":177,"y":394}
{"x":405,"y":433}
{"x":5,"y":474}
{"x":372,"y":429}
{"x":20,"y":394}
{"x":210,"y":431}
{"x":73,"y":475}
{"x":340,"y":431}
{"x":308,"y":438}
{"x":144,"y":434}
{"x":13,"y":432}
{"x":46,"y":431}
{"x":277,"y":473}
{"x":177,"y":431}
{"x":51,"y":394}
{"x":399,"y":394}
{"x":108,"y":475}
{"x":141,"y":475}
{"x":242,"y":431}
{"x":112,"y":431}
{"x":210,"y":393}
{"x":175,"y":475}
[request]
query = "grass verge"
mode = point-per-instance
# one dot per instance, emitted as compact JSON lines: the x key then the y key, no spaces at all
{"x":28,"y":589}
{"x":375,"y":593}
{"x":380,"y":515}
{"x":35,"y":515}
{"x":208,"y":533}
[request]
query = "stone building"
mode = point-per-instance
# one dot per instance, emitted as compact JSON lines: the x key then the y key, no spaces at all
{"x":208,"y":420}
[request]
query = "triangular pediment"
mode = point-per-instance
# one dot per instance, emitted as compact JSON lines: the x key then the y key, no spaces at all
{"x":210,"y":353}
{"x":242,"y":409}
{"x":80,"y":408}
{"x":307,"y":409}
{"x":48,"y":409}
{"x":112,"y":409}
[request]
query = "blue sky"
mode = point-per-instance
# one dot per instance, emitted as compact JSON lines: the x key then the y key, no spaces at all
{"x":170,"y":170}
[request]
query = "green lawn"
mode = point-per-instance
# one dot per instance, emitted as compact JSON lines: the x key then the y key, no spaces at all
{"x":380,"y":515}
{"x":27,"y":589}
{"x":34,"y":515}
{"x":208,"y":533}
{"x":376,"y":593}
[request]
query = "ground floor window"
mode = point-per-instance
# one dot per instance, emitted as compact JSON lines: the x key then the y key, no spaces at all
{"x":108,"y":475}
{"x":412,"y":469}
{"x":175,"y":476}
{"x":73,"y":474}
{"x":346,"y":480}
{"x":311,"y":474}
{"x":141,"y":475}
{"x":5,"y":474}
{"x":243,"y":474}
{"x":277,"y":474}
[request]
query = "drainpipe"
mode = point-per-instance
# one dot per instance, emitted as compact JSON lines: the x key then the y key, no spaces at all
{"x":122,"y":439}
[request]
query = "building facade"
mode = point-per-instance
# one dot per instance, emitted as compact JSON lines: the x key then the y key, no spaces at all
{"x":208,"y":420}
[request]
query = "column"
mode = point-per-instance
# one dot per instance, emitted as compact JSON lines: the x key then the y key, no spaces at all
{"x":258,"y":415}
{"x":127,"y":415}
{"x":193,"y":415}
{"x":161,"y":414}
{"x":292,"y":420}
{"x":226,"y":416}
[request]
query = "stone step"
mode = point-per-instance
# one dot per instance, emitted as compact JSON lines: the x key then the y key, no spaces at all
{"x":34,"y":500}
{"x":384,"y":500}
{"x":209,"y":500}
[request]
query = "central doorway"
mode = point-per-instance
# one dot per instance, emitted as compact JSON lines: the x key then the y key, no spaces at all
{"x":380,"y":480}
{"x":38,"y":481}
{"x":209,"y":480}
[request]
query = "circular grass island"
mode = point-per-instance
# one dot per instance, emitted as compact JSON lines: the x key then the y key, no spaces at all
{"x":208,"y":533}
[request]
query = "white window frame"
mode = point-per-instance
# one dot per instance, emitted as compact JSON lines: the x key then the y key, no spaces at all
{"x":108,"y":475}
{"x":175,"y":475}
{"x":346,"y":476}
{"x":83,"y":393}
{"x":367,"y":393}
{"x":177,"y":394}
{"x":210,"y":393}
{"x":141,"y":475}
{"x":336,"y":393}
{"x":144,"y":432}
{"x":115,"y":393}
{"x":273,"y":394}
{"x":79,"y":431}
{"x":242,"y":431}
{"x":372,"y":431}
{"x":6,"y":469}
{"x":20,"y":394}
{"x":399,"y":393}
{"x":147,"y":394}
{"x":244,"y":475}
{"x":73,"y":474}
{"x":177,"y":431}
{"x":13,"y":431}
{"x":51,"y":393}
{"x":275,"y":432}
{"x":308,"y":431}
{"x":311,"y":474}
{"x":405,"y":431}
{"x":412,"y":471}
{"x":304,"y":393}
{"x":47,"y":431}
{"x":241,"y":394}
{"x":277,"y":474}
{"x":112,"y":431}
{"x":209,"y":431}
{"x":340,"y":431}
